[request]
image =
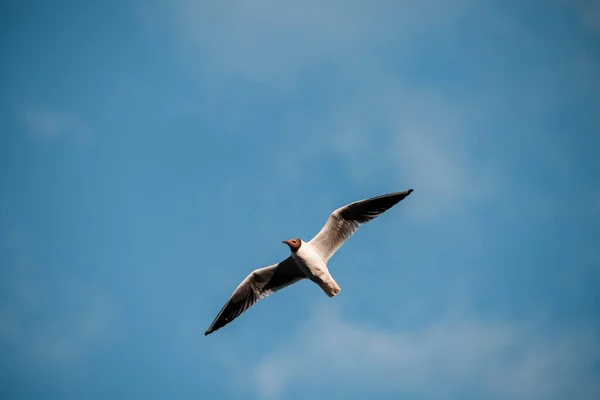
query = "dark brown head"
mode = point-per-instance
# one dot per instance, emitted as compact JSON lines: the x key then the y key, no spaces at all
{"x":294,"y":244}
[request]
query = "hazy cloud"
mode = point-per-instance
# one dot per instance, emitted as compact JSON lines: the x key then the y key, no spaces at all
{"x":494,"y":359}
{"x":71,"y":317}
{"x":274,"y":43}
{"x":49,"y":124}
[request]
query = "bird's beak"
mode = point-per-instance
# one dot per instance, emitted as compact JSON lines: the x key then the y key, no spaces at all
{"x":286,"y":242}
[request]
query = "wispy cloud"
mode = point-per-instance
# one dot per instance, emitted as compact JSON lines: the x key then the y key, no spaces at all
{"x":65,"y":342}
{"x":275,"y":43}
{"x":388,"y":120}
{"x":454,"y":355}
{"x":71,"y":317}
{"x":484,"y":143}
{"x":49,"y":125}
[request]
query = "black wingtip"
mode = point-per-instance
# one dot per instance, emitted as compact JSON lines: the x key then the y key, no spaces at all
{"x":207,"y":333}
{"x":410,"y":191}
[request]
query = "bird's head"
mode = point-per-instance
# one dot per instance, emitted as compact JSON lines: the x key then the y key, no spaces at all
{"x":294,"y":244}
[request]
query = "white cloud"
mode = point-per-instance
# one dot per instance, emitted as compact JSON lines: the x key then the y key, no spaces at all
{"x":275,"y":42}
{"x":419,"y":137}
{"x":384,"y":120}
{"x":486,"y":358}
{"x":67,"y":337}
{"x":49,"y":124}
{"x":436,"y":153}
{"x":52,"y":326}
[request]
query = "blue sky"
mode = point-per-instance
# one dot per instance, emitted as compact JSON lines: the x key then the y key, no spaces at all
{"x":153,"y":153}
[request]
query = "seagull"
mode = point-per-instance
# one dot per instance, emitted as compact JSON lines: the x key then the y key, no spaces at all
{"x":307,"y":260}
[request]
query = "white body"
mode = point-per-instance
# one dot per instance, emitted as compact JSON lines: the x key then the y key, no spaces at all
{"x":308,"y":260}
{"x":315,"y":269}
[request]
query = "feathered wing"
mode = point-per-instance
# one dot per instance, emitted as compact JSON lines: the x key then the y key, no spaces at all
{"x":344,"y":221}
{"x":259,"y":284}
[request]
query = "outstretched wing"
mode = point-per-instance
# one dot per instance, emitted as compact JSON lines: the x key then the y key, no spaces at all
{"x":344,"y":221}
{"x":259,"y":284}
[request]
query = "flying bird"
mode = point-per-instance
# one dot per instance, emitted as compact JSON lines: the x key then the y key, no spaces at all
{"x":307,"y":260}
